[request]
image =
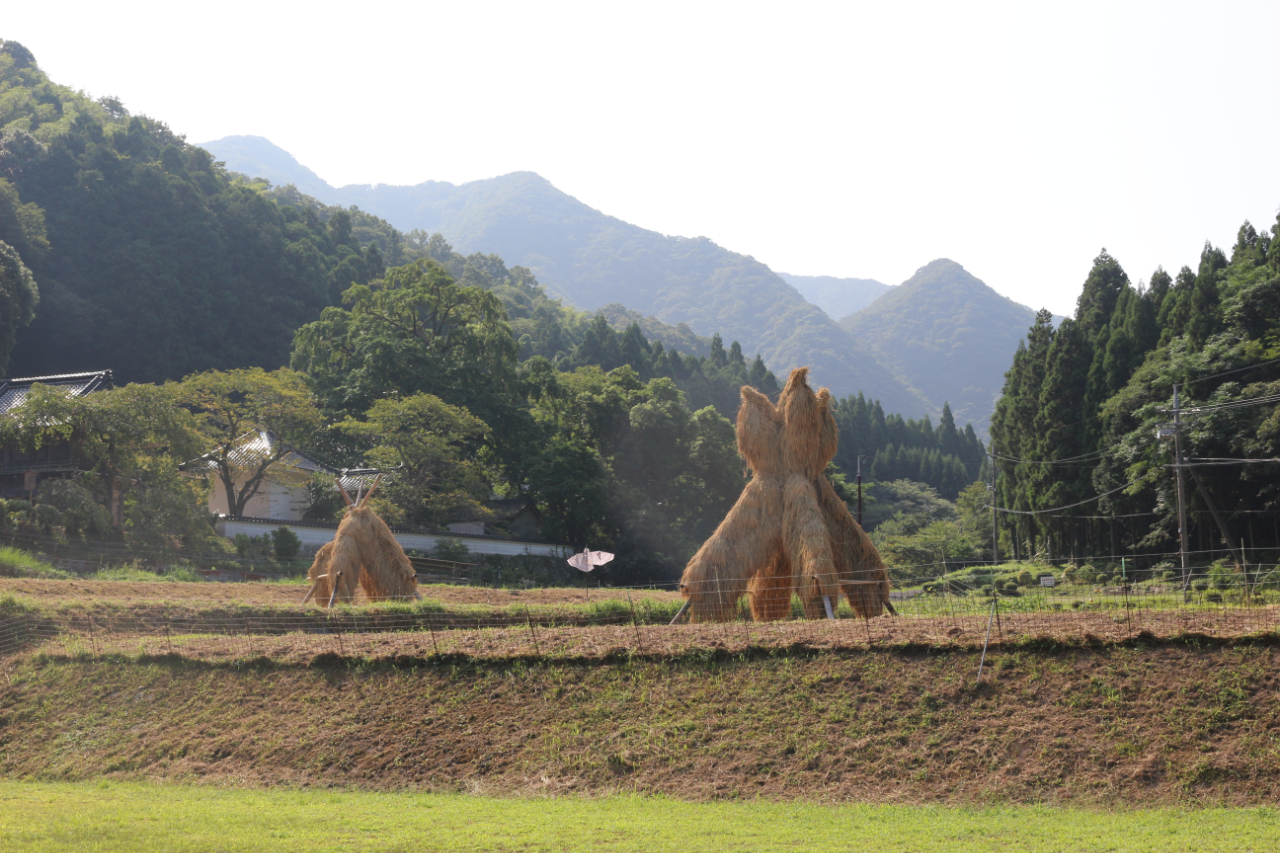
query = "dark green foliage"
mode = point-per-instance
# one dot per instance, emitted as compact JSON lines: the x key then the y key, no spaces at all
{"x":285,"y":543}
{"x":18,"y":299}
{"x":1082,"y":403}
{"x":904,"y":449}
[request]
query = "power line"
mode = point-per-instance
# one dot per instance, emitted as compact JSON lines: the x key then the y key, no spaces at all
{"x":1093,"y":453}
{"x":1230,"y":404}
{"x":1068,"y":506}
{"x":1229,"y":372}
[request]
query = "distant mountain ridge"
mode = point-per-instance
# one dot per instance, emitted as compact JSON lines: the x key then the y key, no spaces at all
{"x":942,"y":336}
{"x":592,"y":260}
{"x":838,"y":297}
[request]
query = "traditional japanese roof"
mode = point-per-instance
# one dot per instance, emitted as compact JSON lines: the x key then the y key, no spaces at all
{"x":14,"y":391}
{"x":251,"y":448}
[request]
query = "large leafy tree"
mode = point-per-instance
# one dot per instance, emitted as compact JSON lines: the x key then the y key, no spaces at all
{"x":431,"y":452}
{"x":130,"y":441}
{"x":18,"y":299}
{"x":417,"y":331}
{"x":249,"y":421}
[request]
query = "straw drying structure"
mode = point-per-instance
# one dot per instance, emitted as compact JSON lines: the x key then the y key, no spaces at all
{"x":789,"y":533}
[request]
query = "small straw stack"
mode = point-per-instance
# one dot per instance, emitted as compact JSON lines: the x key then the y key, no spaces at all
{"x":363,"y":552}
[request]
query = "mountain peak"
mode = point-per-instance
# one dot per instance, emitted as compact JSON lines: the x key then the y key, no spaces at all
{"x":259,"y":157}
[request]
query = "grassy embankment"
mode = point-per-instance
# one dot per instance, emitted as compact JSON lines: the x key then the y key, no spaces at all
{"x":1180,"y":723}
{"x":112,"y":817}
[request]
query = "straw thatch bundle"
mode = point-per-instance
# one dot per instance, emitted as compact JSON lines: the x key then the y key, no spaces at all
{"x":788,"y":533}
{"x":362,"y":552}
{"x":859,"y":570}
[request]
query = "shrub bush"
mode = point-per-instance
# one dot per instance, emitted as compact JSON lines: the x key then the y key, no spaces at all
{"x":285,"y":543}
{"x":1223,"y":576}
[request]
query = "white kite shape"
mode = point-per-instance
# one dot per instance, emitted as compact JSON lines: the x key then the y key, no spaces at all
{"x":588,"y":559}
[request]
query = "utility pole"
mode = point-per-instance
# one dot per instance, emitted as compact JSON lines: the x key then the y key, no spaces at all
{"x":995,"y":530}
{"x":860,"y":458}
{"x":1182,"y":503}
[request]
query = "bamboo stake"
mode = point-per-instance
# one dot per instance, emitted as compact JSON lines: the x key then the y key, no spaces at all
{"x":982,"y":662}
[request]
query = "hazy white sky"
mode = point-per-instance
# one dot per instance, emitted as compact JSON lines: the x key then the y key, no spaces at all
{"x":824,"y":138}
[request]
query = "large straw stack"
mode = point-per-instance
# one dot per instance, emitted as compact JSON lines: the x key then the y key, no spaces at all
{"x":788,"y":533}
{"x":363,"y":552}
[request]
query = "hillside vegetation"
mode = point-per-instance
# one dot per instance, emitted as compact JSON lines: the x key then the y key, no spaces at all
{"x":157,"y":263}
{"x":948,"y":334}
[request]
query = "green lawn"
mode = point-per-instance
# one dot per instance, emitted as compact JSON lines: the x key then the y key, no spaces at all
{"x":110,"y":816}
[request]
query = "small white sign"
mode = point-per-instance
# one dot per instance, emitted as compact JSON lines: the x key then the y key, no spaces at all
{"x":1048,"y":580}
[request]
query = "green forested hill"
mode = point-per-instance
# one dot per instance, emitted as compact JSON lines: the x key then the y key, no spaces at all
{"x":592,"y":260}
{"x":158,"y":263}
{"x":839,"y":297}
{"x":947,"y":334}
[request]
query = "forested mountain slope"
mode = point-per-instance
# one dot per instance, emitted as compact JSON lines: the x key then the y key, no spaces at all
{"x":947,"y":334}
{"x":839,"y":297}
{"x":157,"y":262}
{"x":592,"y":260}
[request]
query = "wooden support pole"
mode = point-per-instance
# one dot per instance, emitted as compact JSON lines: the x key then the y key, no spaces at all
{"x":684,"y":609}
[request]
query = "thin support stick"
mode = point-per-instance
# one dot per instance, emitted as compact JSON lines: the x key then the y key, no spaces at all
{"x":532,"y":632}
{"x":684,"y":609}
{"x":634,"y":624}
{"x":432,"y":629}
{"x":982,"y":662}
{"x":334,"y":594}
{"x":826,"y":602}
{"x":346,"y":497}
{"x":311,"y":592}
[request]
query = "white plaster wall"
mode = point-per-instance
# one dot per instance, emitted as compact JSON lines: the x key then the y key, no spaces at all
{"x":314,"y":537}
{"x":273,"y":500}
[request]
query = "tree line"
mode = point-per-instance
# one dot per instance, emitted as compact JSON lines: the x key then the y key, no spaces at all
{"x":1083,"y":405}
